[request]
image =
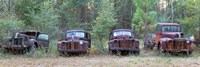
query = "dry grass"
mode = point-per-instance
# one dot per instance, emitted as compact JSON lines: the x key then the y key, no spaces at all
{"x":100,"y":60}
{"x":145,"y":59}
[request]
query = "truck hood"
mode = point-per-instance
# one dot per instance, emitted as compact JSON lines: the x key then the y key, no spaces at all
{"x":122,"y":37}
{"x":171,"y":34}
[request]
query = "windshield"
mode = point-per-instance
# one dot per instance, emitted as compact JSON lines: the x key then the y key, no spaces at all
{"x":117,"y":33}
{"x":170,"y":29}
{"x":78,"y":34}
{"x":43,"y":36}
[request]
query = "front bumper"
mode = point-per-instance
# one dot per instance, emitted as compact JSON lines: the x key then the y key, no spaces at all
{"x":178,"y":50}
{"x":72,"y":50}
{"x":14,"y":46}
{"x":125,"y":49}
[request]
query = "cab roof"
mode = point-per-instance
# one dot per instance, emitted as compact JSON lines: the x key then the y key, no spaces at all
{"x":29,"y":31}
{"x":122,"y":30}
{"x":76,"y":31}
{"x":32,"y":31}
{"x":168,"y":24}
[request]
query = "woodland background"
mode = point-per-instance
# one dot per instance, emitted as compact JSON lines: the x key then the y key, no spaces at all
{"x":98,"y":17}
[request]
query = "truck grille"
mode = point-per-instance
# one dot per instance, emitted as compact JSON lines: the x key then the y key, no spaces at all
{"x":125,"y":44}
{"x":176,"y":44}
{"x":179,"y":44}
{"x":72,"y":45}
{"x":16,"y":41}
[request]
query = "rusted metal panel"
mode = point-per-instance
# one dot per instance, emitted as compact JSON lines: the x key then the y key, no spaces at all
{"x":122,"y":40}
{"x":25,"y":40}
{"x":76,"y":41}
{"x":170,"y":38}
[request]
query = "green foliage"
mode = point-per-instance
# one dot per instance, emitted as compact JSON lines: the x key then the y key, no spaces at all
{"x":25,"y":7}
{"x":38,"y":15}
{"x":190,"y":20}
{"x":9,"y":25}
{"x":40,"y":53}
{"x":144,"y":15}
{"x":123,"y":10}
{"x":74,"y":12}
{"x":46,"y":20}
{"x":103,"y":25}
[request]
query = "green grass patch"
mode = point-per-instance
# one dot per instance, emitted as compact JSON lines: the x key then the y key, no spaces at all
{"x":40,"y":53}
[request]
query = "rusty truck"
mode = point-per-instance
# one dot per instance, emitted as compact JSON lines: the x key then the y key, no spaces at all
{"x":170,"y":39}
{"x":122,"y":41}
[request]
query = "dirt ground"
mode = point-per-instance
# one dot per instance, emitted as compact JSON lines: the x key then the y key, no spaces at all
{"x":145,"y":59}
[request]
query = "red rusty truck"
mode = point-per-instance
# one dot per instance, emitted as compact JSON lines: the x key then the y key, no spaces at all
{"x":26,"y":41}
{"x":75,"y":41}
{"x":170,"y":39}
{"x":122,"y":41}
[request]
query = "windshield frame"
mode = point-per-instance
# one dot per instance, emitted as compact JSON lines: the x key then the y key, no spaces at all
{"x":170,"y":28}
{"x":69,"y":34}
{"x":129,"y":33}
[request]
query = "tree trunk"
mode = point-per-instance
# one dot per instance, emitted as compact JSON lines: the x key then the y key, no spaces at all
{"x":172,"y":12}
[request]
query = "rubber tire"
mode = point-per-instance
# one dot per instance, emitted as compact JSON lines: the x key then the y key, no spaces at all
{"x":32,"y":49}
{"x":137,"y":53}
{"x":158,"y":47}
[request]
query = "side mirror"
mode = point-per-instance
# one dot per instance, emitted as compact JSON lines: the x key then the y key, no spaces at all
{"x":191,"y":37}
{"x":182,"y":35}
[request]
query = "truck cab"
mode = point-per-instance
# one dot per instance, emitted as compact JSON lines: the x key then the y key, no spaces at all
{"x":26,"y":41}
{"x":121,"y":40}
{"x":169,"y":38}
{"x":75,"y":41}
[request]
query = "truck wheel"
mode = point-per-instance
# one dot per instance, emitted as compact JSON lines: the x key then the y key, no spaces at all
{"x":113,"y":52}
{"x":46,"y":49}
{"x":32,"y":49}
{"x":23,"y":51}
{"x":190,"y":52}
{"x":61,"y":53}
{"x":125,"y":52}
{"x":152,"y":47}
{"x":42,"y":46}
{"x":110,"y":51}
{"x":158,"y":47}
{"x":6,"y":51}
{"x":137,"y":53}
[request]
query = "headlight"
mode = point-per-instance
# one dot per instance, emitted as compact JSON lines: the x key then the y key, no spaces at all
{"x":188,"y":41}
{"x":24,"y":45}
{"x":81,"y":42}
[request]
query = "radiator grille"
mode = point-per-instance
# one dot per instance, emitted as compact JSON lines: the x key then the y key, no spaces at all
{"x":17,"y":41}
{"x":125,"y":44}
{"x":179,"y":44}
{"x":72,"y":45}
